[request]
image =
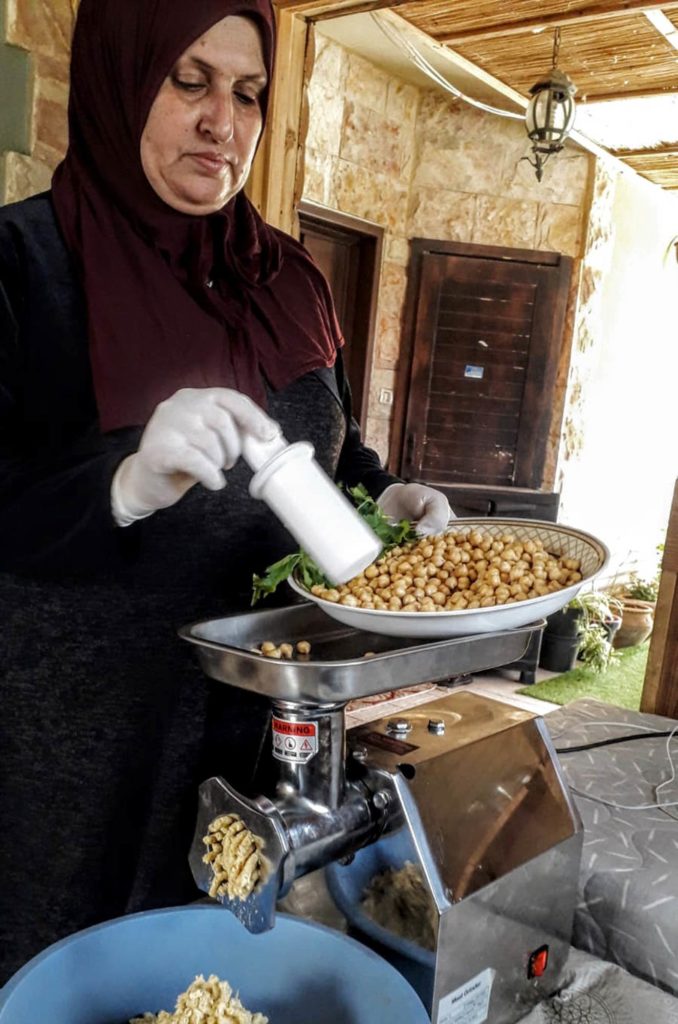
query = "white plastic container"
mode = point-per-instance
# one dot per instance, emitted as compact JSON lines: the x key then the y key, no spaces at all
{"x":317,"y":514}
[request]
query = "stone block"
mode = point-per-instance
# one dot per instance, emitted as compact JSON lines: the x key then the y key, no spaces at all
{"x":509,"y":222}
{"x":378,"y":436}
{"x":560,"y":228}
{"x":371,"y":196}
{"x":441,"y":214}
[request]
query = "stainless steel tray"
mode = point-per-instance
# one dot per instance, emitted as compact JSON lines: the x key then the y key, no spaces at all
{"x":337,"y":670}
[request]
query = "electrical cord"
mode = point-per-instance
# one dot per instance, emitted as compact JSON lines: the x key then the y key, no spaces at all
{"x":606,"y":743}
{"x":647,"y":733}
{"x":427,"y":68}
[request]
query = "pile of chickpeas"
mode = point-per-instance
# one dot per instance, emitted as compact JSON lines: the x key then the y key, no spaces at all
{"x":453,"y":571}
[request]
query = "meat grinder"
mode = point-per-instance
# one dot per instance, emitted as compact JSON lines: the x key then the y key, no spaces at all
{"x":466,"y":789}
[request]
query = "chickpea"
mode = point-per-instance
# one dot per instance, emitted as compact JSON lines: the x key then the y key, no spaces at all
{"x":303,"y":647}
{"x":286,"y":650}
{"x":464,"y":569}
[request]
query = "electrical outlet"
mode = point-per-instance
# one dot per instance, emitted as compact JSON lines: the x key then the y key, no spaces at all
{"x":386,"y":396}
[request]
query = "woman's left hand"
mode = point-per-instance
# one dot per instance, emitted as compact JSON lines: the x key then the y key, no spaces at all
{"x":425,"y":507}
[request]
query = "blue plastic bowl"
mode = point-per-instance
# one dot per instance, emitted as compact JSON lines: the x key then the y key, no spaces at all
{"x":298,"y":973}
{"x":347,"y":885}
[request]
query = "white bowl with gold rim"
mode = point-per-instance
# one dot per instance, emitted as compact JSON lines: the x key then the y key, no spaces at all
{"x":559,"y":540}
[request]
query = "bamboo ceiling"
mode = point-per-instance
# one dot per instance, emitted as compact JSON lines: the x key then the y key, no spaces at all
{"x":610,"y":49}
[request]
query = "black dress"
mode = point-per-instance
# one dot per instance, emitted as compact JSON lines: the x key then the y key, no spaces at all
{"x":107,"y":724}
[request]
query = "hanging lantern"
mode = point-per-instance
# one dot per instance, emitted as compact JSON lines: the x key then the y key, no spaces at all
{"x":550,"y":113}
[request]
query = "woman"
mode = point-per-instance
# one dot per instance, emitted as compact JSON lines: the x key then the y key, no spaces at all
{"x":148,"y":321}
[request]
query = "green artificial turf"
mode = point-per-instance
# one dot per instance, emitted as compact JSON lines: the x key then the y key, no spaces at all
{"x":621,"y":683}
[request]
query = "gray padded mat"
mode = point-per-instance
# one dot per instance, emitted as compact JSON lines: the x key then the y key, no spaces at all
{"x":628,"y":910}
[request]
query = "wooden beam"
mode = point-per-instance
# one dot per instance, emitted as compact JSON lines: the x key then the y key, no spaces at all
{"x":660,"y":689}
{"x":610,"y":97}
{"x":274,"y":183}
{"x":587,"y":13}
{"x":327,"y":9}
{"x":668,"y":150}
{"x":363,"y":7}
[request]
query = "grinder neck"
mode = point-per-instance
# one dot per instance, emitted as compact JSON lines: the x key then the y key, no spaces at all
{"x":309,"y":747}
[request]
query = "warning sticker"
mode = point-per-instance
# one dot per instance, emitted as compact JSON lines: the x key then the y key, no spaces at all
{"x":294,"y":741}
{"x":468,"y":1004}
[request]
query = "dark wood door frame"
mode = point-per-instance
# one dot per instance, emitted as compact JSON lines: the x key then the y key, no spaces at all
{"x":370,"y":238}
{"x":415,"y":317}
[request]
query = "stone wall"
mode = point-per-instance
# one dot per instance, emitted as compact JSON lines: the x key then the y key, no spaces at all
{"x":44,"y":29}
{"x":422,"y":164}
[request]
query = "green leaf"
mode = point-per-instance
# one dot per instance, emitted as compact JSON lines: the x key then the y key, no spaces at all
{"x":275,"y":574}
{"x":302,"y":565}
{"x":391,"y":534}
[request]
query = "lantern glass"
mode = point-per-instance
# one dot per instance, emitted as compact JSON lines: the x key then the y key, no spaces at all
{"x":550,"y":113}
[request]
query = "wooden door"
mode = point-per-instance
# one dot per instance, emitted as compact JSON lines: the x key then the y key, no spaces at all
{"x":487,"y":331}
{"x":348,"y":251}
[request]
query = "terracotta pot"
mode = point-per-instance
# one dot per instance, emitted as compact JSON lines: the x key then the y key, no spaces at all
{"x":637,"y":622}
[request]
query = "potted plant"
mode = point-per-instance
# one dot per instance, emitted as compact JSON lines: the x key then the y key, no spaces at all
{"x":638,"y":603}
{"x":583,"y":629}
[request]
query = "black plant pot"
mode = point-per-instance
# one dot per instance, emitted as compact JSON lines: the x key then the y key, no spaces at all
{"x":561,"y":639}
{"x":611,"y":627}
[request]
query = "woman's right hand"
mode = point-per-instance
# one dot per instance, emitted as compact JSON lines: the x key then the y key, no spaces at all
{"x":191,"y":438}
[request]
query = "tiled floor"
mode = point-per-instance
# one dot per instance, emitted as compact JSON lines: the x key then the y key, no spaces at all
{"x":503,"y":685}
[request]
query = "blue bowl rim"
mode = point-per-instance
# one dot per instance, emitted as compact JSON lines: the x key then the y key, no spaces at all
{"x":13,"y":983}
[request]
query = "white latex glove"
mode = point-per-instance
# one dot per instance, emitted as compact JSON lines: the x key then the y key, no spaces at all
{"x":190,"y":438}
{"x":427,"y":508}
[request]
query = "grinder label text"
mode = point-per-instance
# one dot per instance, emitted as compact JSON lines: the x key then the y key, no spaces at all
{"x":294,"y":741}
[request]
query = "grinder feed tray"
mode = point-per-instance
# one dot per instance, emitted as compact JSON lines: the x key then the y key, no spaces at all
{"x":337,"y":670}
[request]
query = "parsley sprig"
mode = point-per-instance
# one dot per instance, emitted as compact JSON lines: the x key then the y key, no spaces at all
{"x":304,"y":568}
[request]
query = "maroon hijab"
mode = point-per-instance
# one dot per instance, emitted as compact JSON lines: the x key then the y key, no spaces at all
{"x":154,"y":324}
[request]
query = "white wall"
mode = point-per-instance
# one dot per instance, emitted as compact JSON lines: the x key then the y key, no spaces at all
{"x":620,"y":485}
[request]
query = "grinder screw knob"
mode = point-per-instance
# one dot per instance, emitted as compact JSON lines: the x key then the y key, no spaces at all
{"x":399,"y":725}
{"x":436,"y":725}
{"x":359,"y":753}
{"x":381,"y":799}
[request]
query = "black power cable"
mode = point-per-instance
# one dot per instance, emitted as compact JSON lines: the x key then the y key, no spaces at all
{"x":609,"y":742}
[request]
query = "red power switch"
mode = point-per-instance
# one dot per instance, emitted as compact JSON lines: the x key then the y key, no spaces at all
{"x":538,"y":962}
